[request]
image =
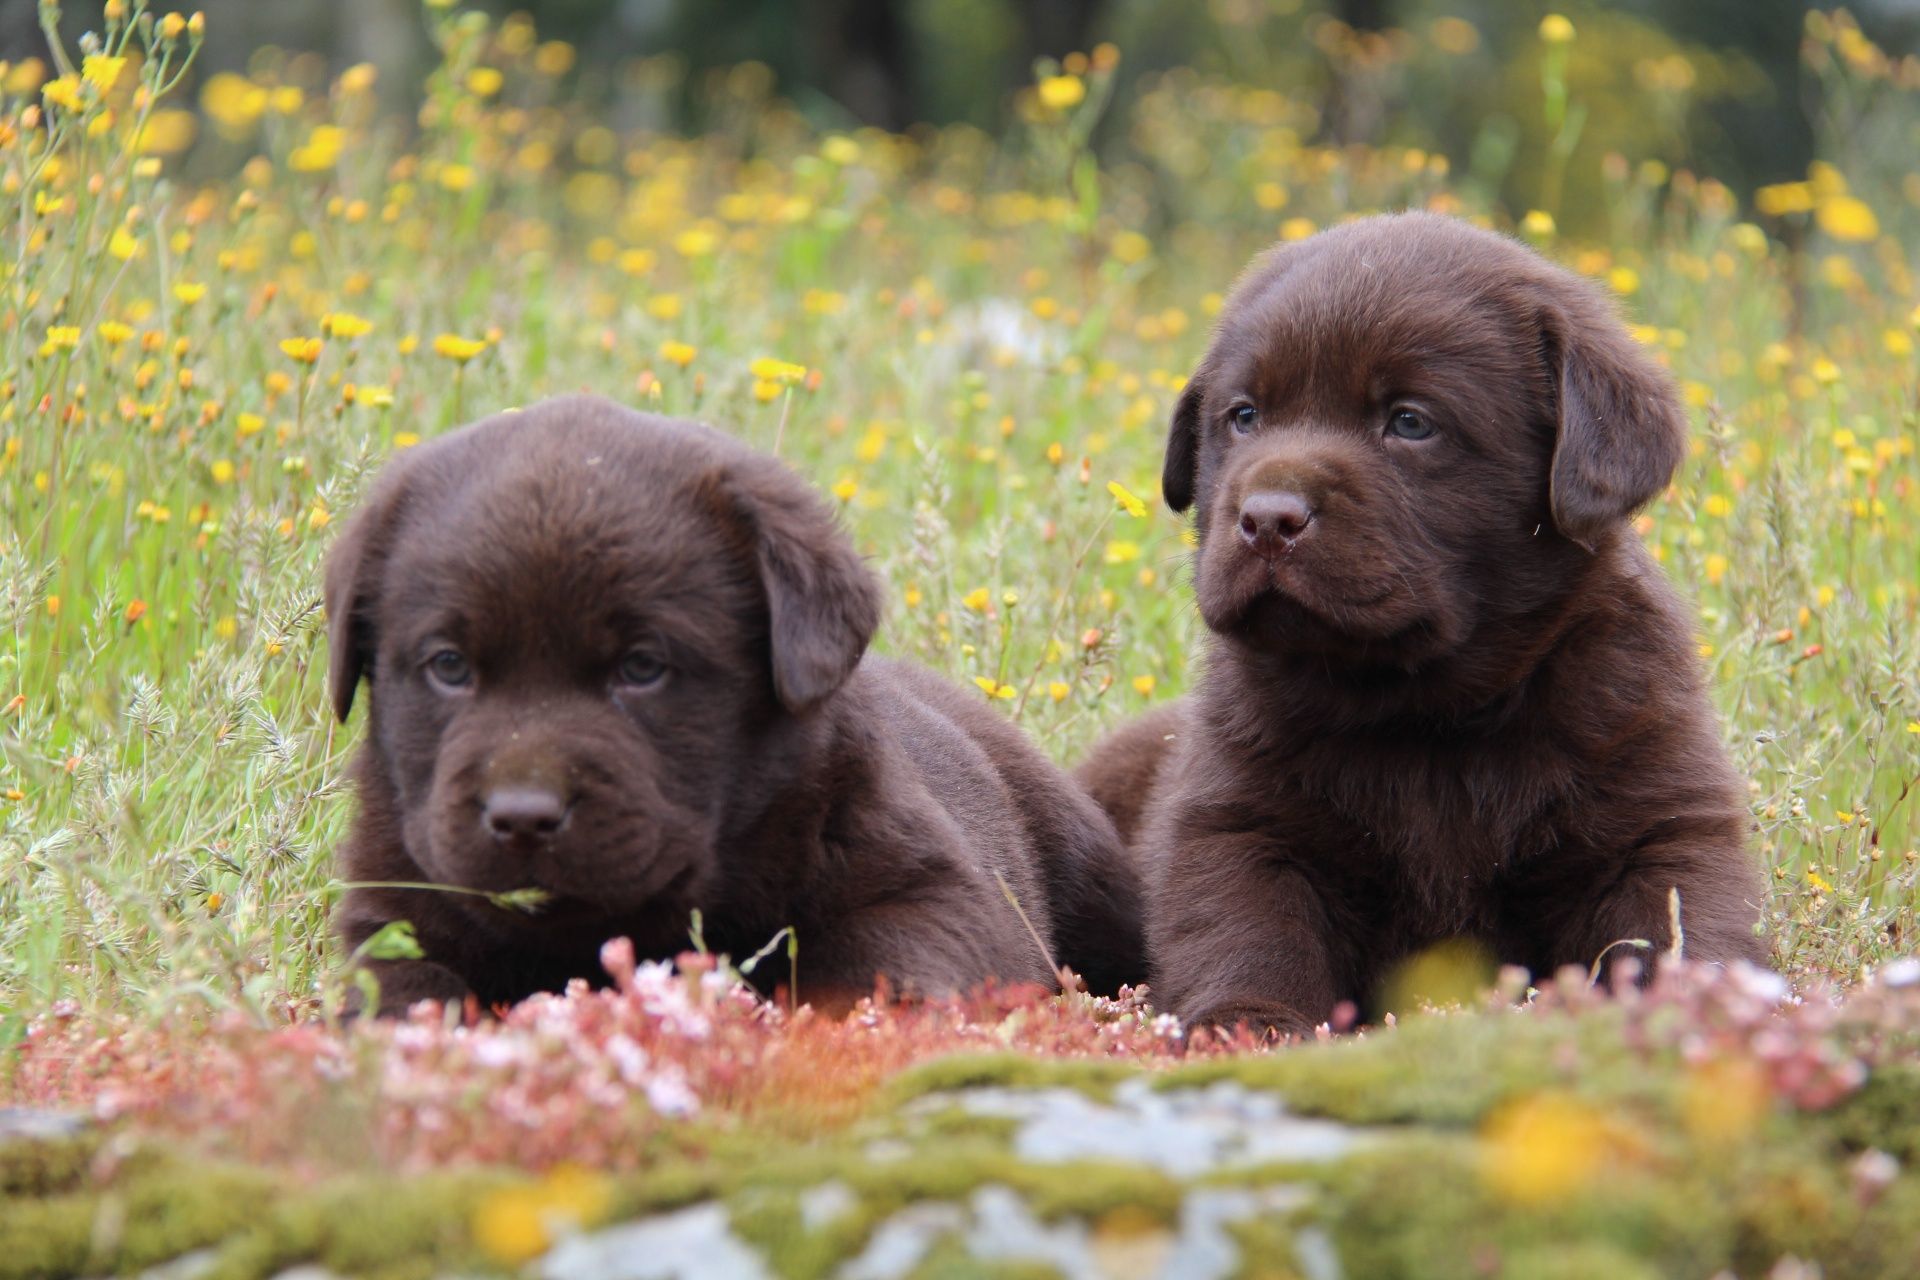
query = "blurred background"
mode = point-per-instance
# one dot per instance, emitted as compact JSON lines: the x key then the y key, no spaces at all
{"x":1718,"y":87}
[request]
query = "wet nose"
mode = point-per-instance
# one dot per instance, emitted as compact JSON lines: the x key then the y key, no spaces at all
{"x":524,"y":814}
{"x":1273,"y":520}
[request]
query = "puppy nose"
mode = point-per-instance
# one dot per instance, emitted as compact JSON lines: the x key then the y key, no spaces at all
{"x":1272,"y":520}
{"x":523,"y":813}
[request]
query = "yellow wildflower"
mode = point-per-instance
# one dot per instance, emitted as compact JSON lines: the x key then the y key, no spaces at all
{"x":63,"y":92}
{"x":1556,"y":29}
{"x":516,"y":1224}
{"x":102,"y":70}
{"x":1724,"y":1100}
{"x":979,"y":599}
{"x":458,"y":349}
{"x":1060,"y":93}
{"x":1783,"y":198}
{"x":1847,"y":218}
{"x":1544,"y":1149}
{"x":678,"y":353}
{"x":304,"y":350}
{"x":321,"y":149}
{"x":1130,"y":504}
{"x":344,"y":324}
{"x":768,"y":369}
{"x":696,"y":242}
{"x":1143,"y":685}
{"x":1131,"y":247}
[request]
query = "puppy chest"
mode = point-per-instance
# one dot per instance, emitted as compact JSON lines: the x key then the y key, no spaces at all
{"x":1425,"y":862}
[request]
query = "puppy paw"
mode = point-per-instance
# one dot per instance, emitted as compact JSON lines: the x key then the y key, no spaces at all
{"x":398,"y":985}
{"x":1264,"y":1021}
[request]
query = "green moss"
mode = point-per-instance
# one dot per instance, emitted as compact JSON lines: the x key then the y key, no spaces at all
{"x":1096,"y":1077}
{"x":149,"y":1210}
{"x":1884,"y":1115}
{"x":153,"y":1206}
{"x":948,"y":1260}
{"x":1431,"y":1070}
{"x":774,"y":1223}
{"x":956,"y":1122}
{"x":41,"y":1166}
{"x":1266,"y":1250}
{"x":1585,"y":1260}
{"x":364,"y":1226}
{"x":1420,"y":1209}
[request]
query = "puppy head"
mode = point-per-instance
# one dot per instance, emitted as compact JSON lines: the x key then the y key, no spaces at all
{"x":591,"y":639}
{"x":1405,"y":432}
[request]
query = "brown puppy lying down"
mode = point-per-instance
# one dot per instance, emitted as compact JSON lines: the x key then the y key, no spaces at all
{"x":617,"y":659}
{"x":1447,"y":692}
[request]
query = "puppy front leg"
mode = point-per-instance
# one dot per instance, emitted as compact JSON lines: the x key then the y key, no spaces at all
{"x":1719,"y":900}
{"x":1238,"y":935}
{"x":940,"y":944}
{"x":405,"y":983}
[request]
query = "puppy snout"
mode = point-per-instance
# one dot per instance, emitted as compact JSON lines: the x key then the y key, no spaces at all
{"x":524,"y":814}
{"x":1272,"y":520}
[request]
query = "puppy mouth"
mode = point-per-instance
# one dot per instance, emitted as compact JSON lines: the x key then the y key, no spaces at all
{"x":560,"y":905}
{"x":1253,"y":589}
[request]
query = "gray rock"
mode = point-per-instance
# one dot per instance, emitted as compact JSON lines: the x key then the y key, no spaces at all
{"x":898,"y":1244}
{"x":827,"y":1203}
{"x":188,"y":1266}
{"x":1183,"y":1132}
{"x":1004,"y":1229}
{"x":692,"y":1244}
{"x":1314,"y":1250}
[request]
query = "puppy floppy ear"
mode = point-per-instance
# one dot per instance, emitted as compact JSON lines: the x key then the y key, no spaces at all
{"x":823,"y":602}
{"x":1622,"y":432}
{"x":353,"y":585}
{"x":1183,"y":446}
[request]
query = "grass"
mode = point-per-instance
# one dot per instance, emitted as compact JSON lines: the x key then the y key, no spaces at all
{"x":204,"y":355}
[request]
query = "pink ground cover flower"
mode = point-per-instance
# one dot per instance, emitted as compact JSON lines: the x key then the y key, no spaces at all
{"x":667,"y":1052}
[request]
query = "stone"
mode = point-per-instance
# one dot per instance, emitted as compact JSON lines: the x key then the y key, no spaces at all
{"x":691,"y":1244}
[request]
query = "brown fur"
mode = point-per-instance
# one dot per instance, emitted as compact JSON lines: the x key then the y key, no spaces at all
{"x":770,"y":776}
{"x":1447,"y":693}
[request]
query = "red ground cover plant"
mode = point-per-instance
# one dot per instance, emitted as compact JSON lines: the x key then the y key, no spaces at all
{"x":602,"y":1078}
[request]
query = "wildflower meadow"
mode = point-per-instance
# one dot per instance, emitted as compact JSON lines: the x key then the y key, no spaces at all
{"x":226,"y":297}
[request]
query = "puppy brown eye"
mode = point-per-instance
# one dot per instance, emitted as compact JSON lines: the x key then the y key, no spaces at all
{"x":1243,"y":417}
{"x":641,"y":670}
{"x":449,"y":670}
{"x":1405,"y":424}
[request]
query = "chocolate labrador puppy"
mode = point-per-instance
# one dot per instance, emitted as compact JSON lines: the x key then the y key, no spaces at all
{"x":1447,"y":693}
{"x":616,"y":659}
